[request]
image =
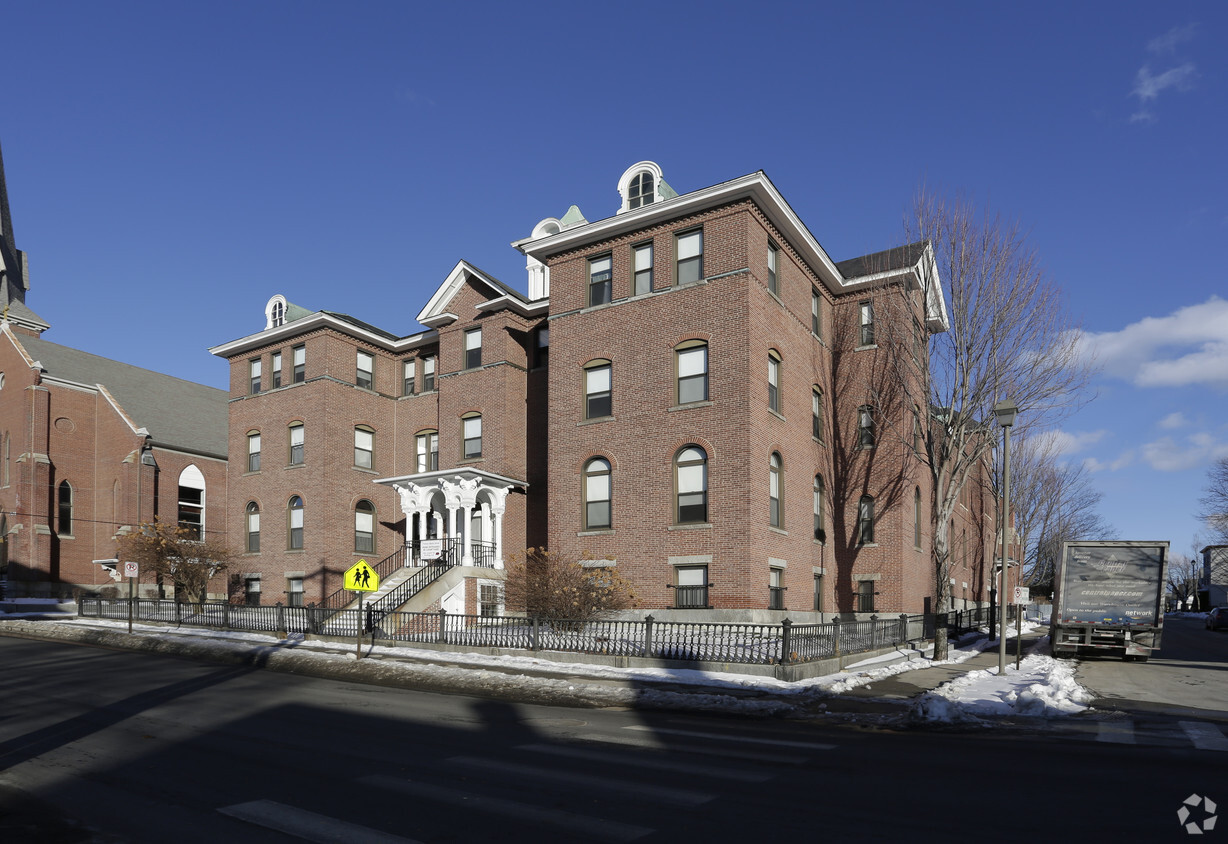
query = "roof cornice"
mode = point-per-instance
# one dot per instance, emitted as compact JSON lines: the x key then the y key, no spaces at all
{"x":316,"y":321}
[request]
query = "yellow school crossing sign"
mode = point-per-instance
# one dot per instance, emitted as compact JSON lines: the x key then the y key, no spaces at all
{"x":361,"y":578}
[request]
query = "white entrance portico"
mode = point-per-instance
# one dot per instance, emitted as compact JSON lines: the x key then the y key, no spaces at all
{"x":457,"y":504}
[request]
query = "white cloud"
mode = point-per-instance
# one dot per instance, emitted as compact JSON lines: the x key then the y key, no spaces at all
{"x":1194,"y":452}
{"x":1188,"y":346}
{"x":1120,"y":462}
{"x":1174,"y":420}
{"x":1066,"y":442}
{"x":1148,"y":85}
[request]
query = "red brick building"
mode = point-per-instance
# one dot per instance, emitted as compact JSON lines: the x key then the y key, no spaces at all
{"x":692,"y":393}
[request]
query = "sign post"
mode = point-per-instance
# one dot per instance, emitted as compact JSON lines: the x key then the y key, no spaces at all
{"x":360,"y":578}
{"x":1022,"y":596}
{"x":131,"y":571}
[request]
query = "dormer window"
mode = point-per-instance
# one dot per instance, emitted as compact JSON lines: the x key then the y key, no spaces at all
{"x":275,"y":312}
{"x":641,"y":192}
{"x":279,"y":314}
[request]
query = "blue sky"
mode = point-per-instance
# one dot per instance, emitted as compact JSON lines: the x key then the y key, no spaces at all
{"x":172,"y":166}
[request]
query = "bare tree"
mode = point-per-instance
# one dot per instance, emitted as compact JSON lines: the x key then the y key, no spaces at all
{"x":1053,"y":502}
{"x":172,"y":552}
{"x":1008,"y":337}
{"x":1184,"y":580}
{"x":1215,"y":501}
{"x":549,"y":585}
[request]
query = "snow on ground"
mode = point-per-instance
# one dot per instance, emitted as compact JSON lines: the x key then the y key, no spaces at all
{"x":1043,"y":687}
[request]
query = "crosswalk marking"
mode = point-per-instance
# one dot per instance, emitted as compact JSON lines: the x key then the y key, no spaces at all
{"x":308,"y":825}
{"x":664,"y":794}
{"x":1204,"y":736}
{"x":654,"y":762}
{"x":584,"y":825}
{"x":804,"y":745}
{"x":1116,"y":732}
{"x":651,"y":743}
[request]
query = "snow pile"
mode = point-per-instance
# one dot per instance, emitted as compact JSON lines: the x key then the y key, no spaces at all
{"x":1043,"y":687}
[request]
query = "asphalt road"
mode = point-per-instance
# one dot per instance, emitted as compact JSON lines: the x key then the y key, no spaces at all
{"x":1189,"y":676}
{"x":106,"y":746}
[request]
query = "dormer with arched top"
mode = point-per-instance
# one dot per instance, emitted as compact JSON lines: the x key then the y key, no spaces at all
{"x":642,"y":184}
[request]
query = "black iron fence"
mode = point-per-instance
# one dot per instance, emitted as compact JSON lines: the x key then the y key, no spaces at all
{"x":754,"y":644}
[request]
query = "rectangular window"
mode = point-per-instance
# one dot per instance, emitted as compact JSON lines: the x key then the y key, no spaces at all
{"x":365,"y":376}
{"x":428,"y":452}
{"x":818,"y":593}
{"x":251,"y":590}
{"x":773,"y":259}
{"x":643,"y":269}
{"x":774,"y":383}
{"x":407,"y":384}
{"x":300,"y":364}
{"x":428,"y":374}
{"x":296,"y":445}
{"x":597,"y":399}
{"x":253,"y":452}
{"x":865,"y":521}
{"x":364,"y":448}
{"x":473,"y":348}
{"x":275,"y":373}
{"x":490,"y":600}
{"x":691,"y":591}
{"x":816,"y":414}
{"x":816,"y":326}
{"x":600,"y":280}
{"x":690,"y":257}
{"x":253,"y":371}
{"x":865,"y":596}
{"x":776,"y":589}
{"x":471,"y":430}
{"x":865,"y":427}
{"x":294,"y":591}
{"x":693,"y":374}
{"x":867,"y":323}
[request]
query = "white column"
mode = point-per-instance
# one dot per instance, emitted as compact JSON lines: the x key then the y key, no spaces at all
{"x":467,"y":547}
{"x":497,"y":505}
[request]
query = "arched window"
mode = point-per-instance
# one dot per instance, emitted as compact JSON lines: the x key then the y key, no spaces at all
{"x":471,"y":435}
{"x":279,"y":314}
{"x":253,"y":451}
{"x":598,"y":399}
{"x":64,"y":509}
{"x":296,"y":443}
{"x":865,"y":520}
{"x":252,"y":517}
{"x":820,"y":493}
{"x":691,"y":483}
{"x":364,"y":527}
{"x":774,"y":381}
{"x":295,"y":523}
{"x":641,"y":191}
{"x":597,"y":515}
{"x":775,"y":514}
{"x":364,"y":447}
{"x":692,"y":365}
{"x":7,"y":445}
{"x":192,"y":503}
{"x":816,"y":413}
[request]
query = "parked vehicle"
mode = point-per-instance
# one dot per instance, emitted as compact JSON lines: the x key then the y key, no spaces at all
{"x":1217,"y":619}
{"x":1108,"y":598}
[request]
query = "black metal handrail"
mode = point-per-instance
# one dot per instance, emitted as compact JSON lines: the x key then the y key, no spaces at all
{"x":414,"y":584}
{"x":342,"y":597}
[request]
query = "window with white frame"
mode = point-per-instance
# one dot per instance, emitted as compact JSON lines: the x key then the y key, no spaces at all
{"x":275,"y":371}
{"x":364,"y":527}
{"x":299,"y":360}
{"x":408,"y":371}
{"x":252,"y":518}
{"x":692,"y":362}
{"x":598,"y":401}
{"x":253,"y":451}
{"x":816,"y":324}
{"x":294,"y":524}
{"x":294,"y":591}
{"x":473,"y":348}
{"x":865,"y":427}
{"x":773,"y":261}
{"x":816,"y":413}
{"x":691,"y":589}
{"x":865,"y":520}
{"x":597,"y":515}
{"x":641,"y":191}
{"x":690,"y":260}
{"x":820,"y":494}
{"x":428,"y":374}
{"x":296,"y":444}
{"x":775,"y":511}
{"x":867,"y":323}
{"x":600,"y":280}
{"x":192,"y":503}
{"x":365,"y":374}
{"x":428,"y":451}
{"x":642,"y":256}
{"x":774,"y":381}
{"x":691,"y":483}
{"x":364,"y":447}
{"x":253,"y":372}
{"x":471,"y":435}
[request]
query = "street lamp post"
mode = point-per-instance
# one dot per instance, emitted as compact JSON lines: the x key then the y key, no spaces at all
{"x":1005,"y":411}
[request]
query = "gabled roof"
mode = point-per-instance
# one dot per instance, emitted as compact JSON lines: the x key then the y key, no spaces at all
{"x":913,"y":260}
{"x":889,"y":260}
{"x":436,"y":311}
{"x":176,"y":413}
